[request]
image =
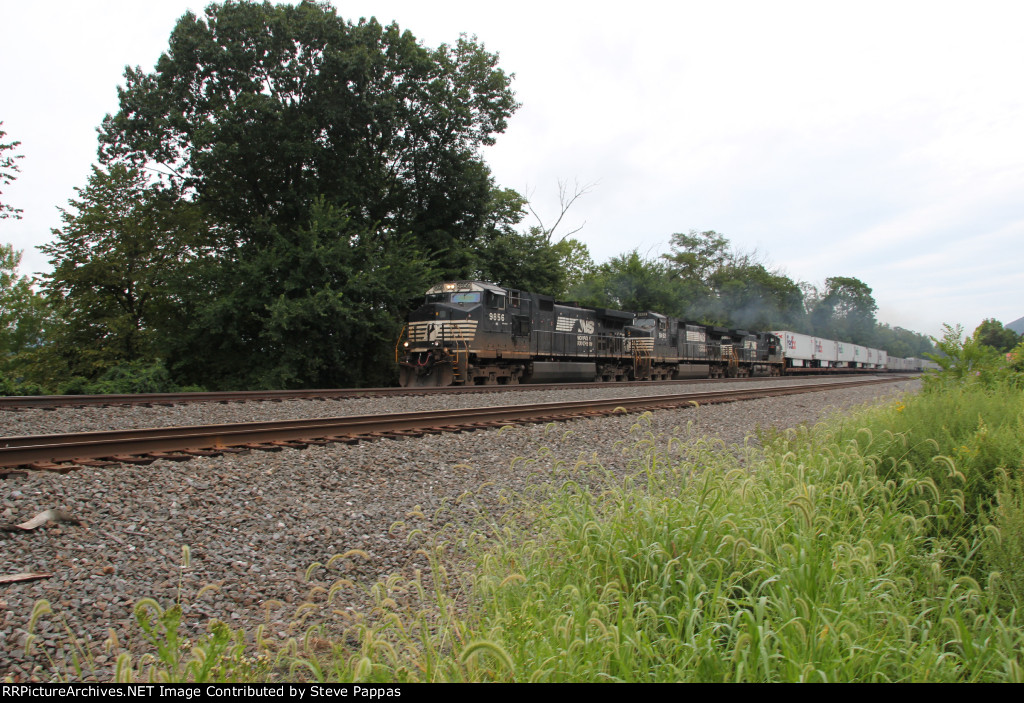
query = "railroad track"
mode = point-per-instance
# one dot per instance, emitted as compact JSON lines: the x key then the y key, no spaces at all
{"x":70,"y":451}
{"x":52,"y":402}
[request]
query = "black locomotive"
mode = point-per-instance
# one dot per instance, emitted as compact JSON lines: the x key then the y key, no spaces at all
{"x":476,"y":333}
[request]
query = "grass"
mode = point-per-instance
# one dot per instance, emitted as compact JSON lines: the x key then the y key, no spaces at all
{"x":884,"y":547}
{"x":815,"y":566}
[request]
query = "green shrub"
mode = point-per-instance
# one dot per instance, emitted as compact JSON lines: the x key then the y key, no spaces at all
{"x":966,"y":361}
{"x":76,"y":385}
{"x":134,"y":377}
{"x":11,"y":386}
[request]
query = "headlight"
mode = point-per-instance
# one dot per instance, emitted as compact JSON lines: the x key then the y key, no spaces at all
{"x":406,"y":345}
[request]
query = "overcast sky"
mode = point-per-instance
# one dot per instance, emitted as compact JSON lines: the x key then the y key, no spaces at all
{"x":880,"y":140}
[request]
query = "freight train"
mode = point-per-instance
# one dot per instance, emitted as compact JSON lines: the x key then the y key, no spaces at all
{"x":477,"y":333}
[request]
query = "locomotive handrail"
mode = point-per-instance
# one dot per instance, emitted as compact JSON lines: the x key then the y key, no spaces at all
{"x":641,"y":363}
{"x":456,"y":367}
{"x":398,"y":343}
{"x":729,"y":355}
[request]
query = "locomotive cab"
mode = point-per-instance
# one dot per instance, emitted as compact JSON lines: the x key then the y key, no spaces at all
{"x":459,"y":324}
{"x":769,"y":353}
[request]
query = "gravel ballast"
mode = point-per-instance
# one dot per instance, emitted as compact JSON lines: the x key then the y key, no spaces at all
{"x":256,"y":523}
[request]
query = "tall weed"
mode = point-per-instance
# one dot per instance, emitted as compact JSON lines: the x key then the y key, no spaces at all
{"x":833,"y":559}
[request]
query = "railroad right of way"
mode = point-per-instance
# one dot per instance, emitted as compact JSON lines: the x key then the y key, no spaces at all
{"x":258,"y":524}
{"x":53,"y":452}
{"x":96,"y":418}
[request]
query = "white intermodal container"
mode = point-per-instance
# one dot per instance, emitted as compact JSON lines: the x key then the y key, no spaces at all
{"x":860,"y":356}
{"x":799,"y":348}
{"x":825,"y":351}
{"x":844,"y":353}
{"x":883,"y":359}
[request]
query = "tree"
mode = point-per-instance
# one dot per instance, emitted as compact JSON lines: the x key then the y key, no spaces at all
{"x":845,"y":311}
{"x":575,"y":262}
{"x":750,"y":296}
{"x":258,"y":109}
{"x":325,"y":305}
{"x":695,"y":256}
{"x":21,"y":309}
{"x":117,"y":267}
{"x":903,"y":343}
{"x":991,"y":333}
{"x":532,"y":260}
{"x":288,"y":127}
{"x":565,"y":203}
{"x":694,"y":260}
{"x":730,"y":288}
{"x":8,"y":167}
{"x":25,"y":317}
{"x":631,"y":281}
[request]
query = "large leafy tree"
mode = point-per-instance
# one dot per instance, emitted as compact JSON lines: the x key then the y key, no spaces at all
{"x":322,"y":308}
{"x":695,"y":259}
{"x":261,"y":108}
{"x":845,"y":310}
{"x":991,"y":333}
{"x":697,"y":255}
{"x":119,"y":265}
{"x":631,"y":281}
{"x":749,"y":295}
{"x":293,"y":128}
{"x":23,"y":317}
{"x":730,"y":288}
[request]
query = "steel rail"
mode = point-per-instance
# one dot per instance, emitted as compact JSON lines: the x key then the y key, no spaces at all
{"x":119,"y":444}
{"x":50,"y":402}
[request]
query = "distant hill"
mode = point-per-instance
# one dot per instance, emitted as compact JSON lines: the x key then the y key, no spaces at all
{"x":1017,"y":326}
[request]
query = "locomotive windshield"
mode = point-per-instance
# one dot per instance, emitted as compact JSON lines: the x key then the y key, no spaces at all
{"x":453,"y":297}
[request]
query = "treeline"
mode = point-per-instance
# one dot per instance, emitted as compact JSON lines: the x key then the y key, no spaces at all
{"x":703,"y":278}
{"x":275,"y":196}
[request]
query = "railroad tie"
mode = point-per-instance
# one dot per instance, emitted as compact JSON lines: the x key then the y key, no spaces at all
{"x":262,"y":447}
{"x":94,"y":463}
{"x":170,"y":456}
{"x":56,"y":468}
{"x":131,"y":459}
